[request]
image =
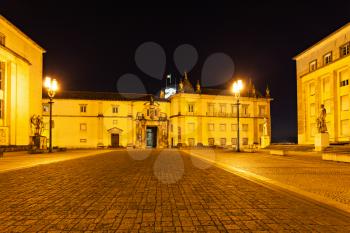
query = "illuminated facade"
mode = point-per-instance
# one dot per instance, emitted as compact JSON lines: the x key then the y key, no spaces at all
{"x":20,"y":84}
{"x":181,"y":115}
{"x":189,"y":117}
{"x":323,"y":73}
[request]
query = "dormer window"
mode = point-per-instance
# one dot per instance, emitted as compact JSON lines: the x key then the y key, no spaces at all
{"x":345,"y":49}
{"x":2,"y":39}
{"x":313,"y":65}
{"x":327,"y":58}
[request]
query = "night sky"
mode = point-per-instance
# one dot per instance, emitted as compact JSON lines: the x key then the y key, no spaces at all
{"x":91,"y":45}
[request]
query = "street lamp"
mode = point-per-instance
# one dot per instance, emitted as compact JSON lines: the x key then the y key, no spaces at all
{"x":51,"y":86}
{"x":236,"y":89}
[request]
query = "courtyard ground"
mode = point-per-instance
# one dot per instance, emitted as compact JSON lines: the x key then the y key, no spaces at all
{"x":151,"y":191}
{"x":306,"y":174}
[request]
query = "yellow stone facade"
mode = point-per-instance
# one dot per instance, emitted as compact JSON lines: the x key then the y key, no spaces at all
{"x":323,"y":73}
{"x":96,"y":119}
{"x":206,"y":117}
{"x":20,"y":84}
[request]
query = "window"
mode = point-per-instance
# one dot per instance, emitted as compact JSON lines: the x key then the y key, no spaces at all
{"x":262,"y":110}
{"x":245,"y":141}
{"x":83,"y":108}
{"x":312,"y":130}
{"x":345,"y":49}
{"x":234,"y":109}
{"x":234,"y":141}
{"x":179,"y":133}
{"x":222,"y":127}
{"x":190,"y":107}
{"x":312,"y":88}
{"x":222,"y":108}
{"x":313,"y":65}
{"x":327,"y":58}
{"x":211,"y":108}
{"x":191,"y":127}
{"x":83,"y":140}
{"x":312,"y":109}
{"x":345,"y":130}
{"x":344,"y":102}
{"x":245,"y":127}
{"x":234,"y":127}
{"x":210,"y":127}
{"x":245,"y":108}
{"x":344,"y":83}
{"x":171,"y":127}
{"x":115,"y":109}
{"x":46,"y":108}
{"x":344,"y":78}
{"x":115,"y":122}
{"x":261,"y":128}
{"x":2,"y":79}
{"x":191,"y":141}
{"x":222,"y":141}
{"x":2,"y":75}
{"x":83,"y":127}
{"x":326,"y":85}
{"x":211,"y":141}
{"x":2,"y":39}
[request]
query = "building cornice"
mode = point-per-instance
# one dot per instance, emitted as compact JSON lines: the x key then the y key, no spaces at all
{"x":321,"y":41}
{"x":13,"y":53}
{"x":13,"y":28}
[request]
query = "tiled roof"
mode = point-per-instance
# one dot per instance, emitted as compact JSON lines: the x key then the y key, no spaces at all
{"x":209,"y":91}
{"x":89,"y":95}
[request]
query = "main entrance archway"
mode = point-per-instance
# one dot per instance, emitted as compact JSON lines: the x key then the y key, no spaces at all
{"x":151,"y":136}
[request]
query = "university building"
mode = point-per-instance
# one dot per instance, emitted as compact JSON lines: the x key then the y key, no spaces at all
{"x":323,"y":73}
{"x":181,"y":115}
{"x":21,"y":62}
{"x":187,"y":117}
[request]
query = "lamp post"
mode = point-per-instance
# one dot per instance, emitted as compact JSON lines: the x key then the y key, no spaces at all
{"x":52,"y":87}
{"x":236,"y":89}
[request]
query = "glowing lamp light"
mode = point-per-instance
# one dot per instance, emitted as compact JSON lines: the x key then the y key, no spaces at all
{"x":237,"y":87}
{"x":51,"y":85}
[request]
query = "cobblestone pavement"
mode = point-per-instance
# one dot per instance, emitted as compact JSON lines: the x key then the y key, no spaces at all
{"x":328,"y":179}
{"x":17,"y":160}
{"x":150,"y":191}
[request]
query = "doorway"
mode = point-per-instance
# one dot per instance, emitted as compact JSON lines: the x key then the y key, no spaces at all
{"x":114,"y":140}
{"x":151,"y":136}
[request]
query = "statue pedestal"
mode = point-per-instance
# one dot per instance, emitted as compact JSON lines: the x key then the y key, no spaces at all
{"x":265,"y":141}
{"x":321,"y":141}
{"x":38,"y":142}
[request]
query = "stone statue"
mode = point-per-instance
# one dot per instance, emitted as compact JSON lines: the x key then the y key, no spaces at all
{"x":151,"y":101}
{"x":321,"y":120}
{"x":37,"y":124}
{"x":181,"y":86}
{"x":265,"y":127}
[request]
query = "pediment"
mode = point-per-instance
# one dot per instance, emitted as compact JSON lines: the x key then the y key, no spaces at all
{"x":115,"y":130}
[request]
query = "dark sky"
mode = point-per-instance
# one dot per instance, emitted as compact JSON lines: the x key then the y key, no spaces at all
{"x":90,"y":45}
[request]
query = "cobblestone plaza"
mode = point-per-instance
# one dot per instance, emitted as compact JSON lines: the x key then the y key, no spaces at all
{"x":151,"y":191}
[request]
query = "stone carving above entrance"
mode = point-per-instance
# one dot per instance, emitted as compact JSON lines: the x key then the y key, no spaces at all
{"x":152,"y":125}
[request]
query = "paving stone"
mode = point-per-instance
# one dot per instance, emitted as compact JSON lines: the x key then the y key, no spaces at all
{"x":114,"y":193}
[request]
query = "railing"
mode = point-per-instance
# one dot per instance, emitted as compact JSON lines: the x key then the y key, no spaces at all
{"x":227,"y":114}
